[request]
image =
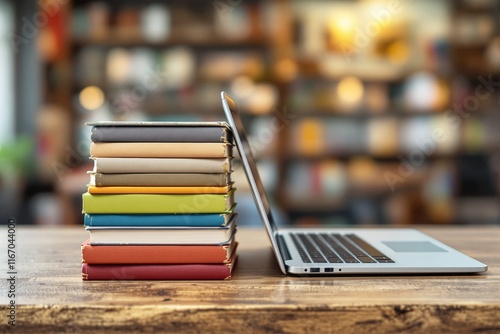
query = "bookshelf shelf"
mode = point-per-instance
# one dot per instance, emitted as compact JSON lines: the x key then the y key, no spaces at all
{"x":366,"y":113}
{"x":126,"y":42}
{"x":316,"y":75}
{"x":352,"y":155}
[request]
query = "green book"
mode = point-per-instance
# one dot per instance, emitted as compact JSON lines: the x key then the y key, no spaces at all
{"x":157,"y":203}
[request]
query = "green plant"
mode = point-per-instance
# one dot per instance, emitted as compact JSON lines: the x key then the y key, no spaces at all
{"x":15,"y":156}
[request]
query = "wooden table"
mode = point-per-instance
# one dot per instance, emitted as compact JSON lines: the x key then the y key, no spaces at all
{"x":53,"y":298}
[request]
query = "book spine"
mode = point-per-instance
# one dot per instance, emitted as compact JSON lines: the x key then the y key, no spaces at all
{"x":162,"y":236}
{"x":163,"y":165}
{"x":158,"y":134}
{"x":160,"y":150}
{"x":157,"y":254}
{"x":158,"y":190}
{"x":156,"y":272}
{"x":176,"y":180}
{"x":157,"y":203}
{"x":196,"y":220}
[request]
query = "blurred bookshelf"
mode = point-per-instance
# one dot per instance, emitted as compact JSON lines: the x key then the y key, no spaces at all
{"x":351,"y":106}
{"x":154,"y":60}
{"x":381,"y":132}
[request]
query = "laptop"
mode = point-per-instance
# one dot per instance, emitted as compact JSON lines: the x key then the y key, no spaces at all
{"x":345,"y":251}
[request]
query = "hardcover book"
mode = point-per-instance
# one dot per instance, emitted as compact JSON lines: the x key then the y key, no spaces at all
{"x":158,"y":190}
{"x":160,"y":150}
{"x":158,"y":203}
{"x":153,"y":179}
{"x":158,"y":271}
{"x":161,"y":165}
{"x":158,"y":254}
{"x":200,"y":219}
{"x":144,"y":235}
{"x":156,"y":133}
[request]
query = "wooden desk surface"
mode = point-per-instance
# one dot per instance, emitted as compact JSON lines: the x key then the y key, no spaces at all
{"x":53,"y":298}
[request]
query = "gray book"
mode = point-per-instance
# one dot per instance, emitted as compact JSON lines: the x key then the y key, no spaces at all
{"x":161,"y":165}
{"x":156,"y":133}
{"x":153,"y":179}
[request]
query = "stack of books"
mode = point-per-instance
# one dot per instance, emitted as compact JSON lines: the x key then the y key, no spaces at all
{"x":160,"y":203}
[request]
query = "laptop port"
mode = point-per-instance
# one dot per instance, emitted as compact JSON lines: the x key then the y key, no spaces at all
{"x":328,"y":270}
{"x":315,"y":270}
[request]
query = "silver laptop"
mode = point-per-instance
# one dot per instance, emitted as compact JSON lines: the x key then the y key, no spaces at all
{"x":332,"y":251}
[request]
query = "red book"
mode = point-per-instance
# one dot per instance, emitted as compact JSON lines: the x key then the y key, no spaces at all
{"x":157,"y":271}
{"x":158,"y":254}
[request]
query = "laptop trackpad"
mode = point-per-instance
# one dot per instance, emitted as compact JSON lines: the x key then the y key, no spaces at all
{"x":413,"y":246}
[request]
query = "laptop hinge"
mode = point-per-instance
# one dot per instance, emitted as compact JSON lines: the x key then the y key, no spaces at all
{"x":283,"y":248}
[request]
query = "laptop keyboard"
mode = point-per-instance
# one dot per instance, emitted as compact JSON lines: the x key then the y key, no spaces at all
{"x":336,"y":248}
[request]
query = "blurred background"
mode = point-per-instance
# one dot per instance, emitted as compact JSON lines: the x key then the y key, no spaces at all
{"x":359,"y":112}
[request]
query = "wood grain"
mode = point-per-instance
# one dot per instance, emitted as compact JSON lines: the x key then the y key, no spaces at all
{"x":53,"y":298}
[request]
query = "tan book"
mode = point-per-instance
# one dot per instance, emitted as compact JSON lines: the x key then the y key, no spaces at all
{"x":158,"y":190}
{"x":161,"y":165}
{"x":160,"y":150}
{"x":153,"y":179}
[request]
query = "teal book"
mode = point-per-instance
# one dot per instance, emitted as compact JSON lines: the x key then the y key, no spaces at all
{"x":157,"y":203}
{"x":193,"y":220}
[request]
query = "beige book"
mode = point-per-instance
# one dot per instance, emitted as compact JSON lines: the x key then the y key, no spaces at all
{"x":153,"y":179}
{"x":160,"y":150}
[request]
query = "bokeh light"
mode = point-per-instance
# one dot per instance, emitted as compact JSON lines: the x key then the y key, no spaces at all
{"x":350,"y":91}
{"x":242,"y":86}
{"x":91,"y":98}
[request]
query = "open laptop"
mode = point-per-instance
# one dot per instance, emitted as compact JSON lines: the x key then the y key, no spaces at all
{"x":332,"y":251}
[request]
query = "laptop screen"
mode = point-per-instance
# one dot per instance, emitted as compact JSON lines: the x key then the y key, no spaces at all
{"x":249,"y":164}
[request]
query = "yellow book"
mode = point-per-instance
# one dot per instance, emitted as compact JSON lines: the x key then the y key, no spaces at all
{"x":157,"y":203}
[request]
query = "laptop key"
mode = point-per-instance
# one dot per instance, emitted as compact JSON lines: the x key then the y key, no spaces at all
{"x":329,"y":254}
{"x":340,"y":251}
{"x":372,"y":251}
{"x":353,"y":260}
{"x":386,"y":260}
{"x":311,"y":249}
{"x":319,"y":260}
{"x":302,"y":253}
{"x":353,"y":249}
{"x":366,"y":259}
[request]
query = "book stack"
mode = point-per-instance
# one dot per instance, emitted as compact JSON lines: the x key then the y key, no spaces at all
{"x":160,"y":203}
